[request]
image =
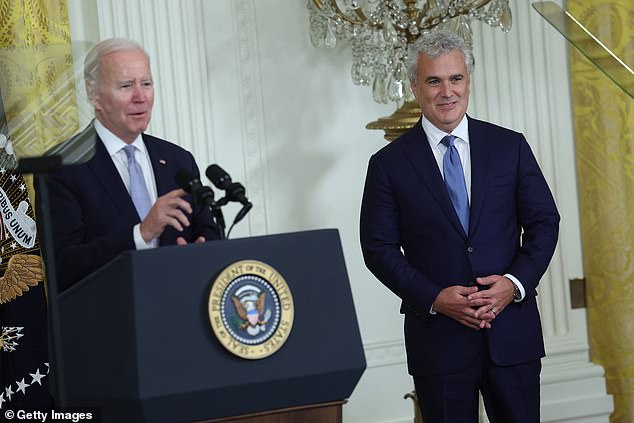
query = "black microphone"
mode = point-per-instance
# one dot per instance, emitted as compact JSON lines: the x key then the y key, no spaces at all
{"x":221,"y":179}
{"x":190,"y":183}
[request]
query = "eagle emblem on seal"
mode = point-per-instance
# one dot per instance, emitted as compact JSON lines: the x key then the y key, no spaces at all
{"x":251,"y":309}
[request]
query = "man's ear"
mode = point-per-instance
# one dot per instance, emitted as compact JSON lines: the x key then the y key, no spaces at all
{"x":91,"y":93}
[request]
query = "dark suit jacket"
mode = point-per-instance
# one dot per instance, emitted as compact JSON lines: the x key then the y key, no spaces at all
{"x":93,"y":214}
{"x":406,"y":205}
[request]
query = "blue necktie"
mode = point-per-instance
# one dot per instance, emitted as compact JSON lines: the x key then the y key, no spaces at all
{"x":138,"y":189}
{"x":454,"y":180}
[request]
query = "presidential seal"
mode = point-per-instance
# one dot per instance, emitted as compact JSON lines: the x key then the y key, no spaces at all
{"x":251,"y":309}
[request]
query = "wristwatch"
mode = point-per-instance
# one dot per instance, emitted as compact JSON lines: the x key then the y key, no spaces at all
{"x":517,"y":294}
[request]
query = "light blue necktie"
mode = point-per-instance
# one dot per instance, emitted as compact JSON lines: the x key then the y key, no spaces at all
{"x":454,"y":180}
{"x":138,"y":189}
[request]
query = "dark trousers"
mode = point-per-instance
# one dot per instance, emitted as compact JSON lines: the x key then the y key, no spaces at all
{"x":511,"y":394}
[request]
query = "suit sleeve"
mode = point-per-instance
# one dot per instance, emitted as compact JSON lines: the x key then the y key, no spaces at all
{"x":538,"y":218}
{"x":381,"y":244}
{"x":76,"y":257}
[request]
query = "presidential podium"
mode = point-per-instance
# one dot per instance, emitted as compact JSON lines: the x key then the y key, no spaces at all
{"x":137,"y":342}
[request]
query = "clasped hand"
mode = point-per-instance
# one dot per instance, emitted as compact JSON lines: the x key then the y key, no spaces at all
{"x":475,"y":308}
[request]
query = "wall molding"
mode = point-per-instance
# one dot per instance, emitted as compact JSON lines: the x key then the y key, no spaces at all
{"x":388,"y":352}
{"x":251,"y":113}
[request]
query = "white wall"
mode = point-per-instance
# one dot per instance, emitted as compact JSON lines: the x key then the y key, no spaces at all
{"x":239,"y":84}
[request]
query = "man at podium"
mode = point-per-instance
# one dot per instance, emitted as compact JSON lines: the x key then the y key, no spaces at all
{"x":125,"y":197}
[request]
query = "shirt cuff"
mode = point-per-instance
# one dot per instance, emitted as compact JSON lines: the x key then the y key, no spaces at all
{"x":519,"y":286}
{"x":139,"y":242}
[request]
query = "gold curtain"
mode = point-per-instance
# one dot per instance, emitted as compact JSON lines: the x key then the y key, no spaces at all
{"x":604,"y":127}
{"x":36,"y":74}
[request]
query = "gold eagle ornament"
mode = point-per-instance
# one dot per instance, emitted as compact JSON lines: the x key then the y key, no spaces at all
{"x":23,"y":271}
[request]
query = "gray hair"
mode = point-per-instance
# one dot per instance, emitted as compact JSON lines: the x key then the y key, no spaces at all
{"x":93,"y":60}
{"x":435,"y":44}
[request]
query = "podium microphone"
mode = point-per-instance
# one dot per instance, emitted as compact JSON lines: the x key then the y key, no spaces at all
{"x":221,"y":179}
{"x":190,"y":183}
{"x":234,"y":190}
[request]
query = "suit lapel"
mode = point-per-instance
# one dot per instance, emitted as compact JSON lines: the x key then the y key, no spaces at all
{"x":418,"y":152}
{"x":108,"y":176}
{"x":163,"y":174}
{"x":480,"y":154}
{"x":164,"y":167}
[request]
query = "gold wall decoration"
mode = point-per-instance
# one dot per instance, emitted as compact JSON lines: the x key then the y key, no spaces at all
{"x":604,"y":131}
{"x":36,"y":74}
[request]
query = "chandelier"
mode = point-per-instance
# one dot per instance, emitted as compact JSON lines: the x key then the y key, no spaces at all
{"x":380,"y":32}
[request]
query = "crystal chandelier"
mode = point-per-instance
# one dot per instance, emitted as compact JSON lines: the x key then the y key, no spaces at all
{"x":380,"y":32}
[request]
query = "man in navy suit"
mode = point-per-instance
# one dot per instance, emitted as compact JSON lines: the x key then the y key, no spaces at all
{"x":468,"y":289}
{"x":94,"y":218}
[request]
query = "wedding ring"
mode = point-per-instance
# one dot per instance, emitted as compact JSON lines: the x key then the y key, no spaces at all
{"x":493,"y":311}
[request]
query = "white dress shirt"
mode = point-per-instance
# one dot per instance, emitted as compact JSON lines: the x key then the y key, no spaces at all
{"x":461,"y":132}
{"x":114,"y":145}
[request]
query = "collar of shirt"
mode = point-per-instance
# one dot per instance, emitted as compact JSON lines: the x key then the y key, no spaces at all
{"x":435,"y":135}
{"x":113,"y":143}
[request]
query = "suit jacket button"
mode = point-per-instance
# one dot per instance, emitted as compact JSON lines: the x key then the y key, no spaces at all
{"x":469,"y":249}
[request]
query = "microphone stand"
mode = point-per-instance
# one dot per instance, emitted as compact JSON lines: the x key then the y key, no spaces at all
{"x":219,"y":218}
{"x":220,"y":221}
{"x":203,"y":195}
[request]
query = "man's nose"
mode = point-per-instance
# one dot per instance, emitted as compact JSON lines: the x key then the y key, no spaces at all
{"x":138,"y":93}
{"x":445,"y":89}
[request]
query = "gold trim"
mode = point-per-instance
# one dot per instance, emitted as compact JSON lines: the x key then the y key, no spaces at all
{"x":400,"y":121}
{"x":23,"y":271}
{"x":418,"y":418}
